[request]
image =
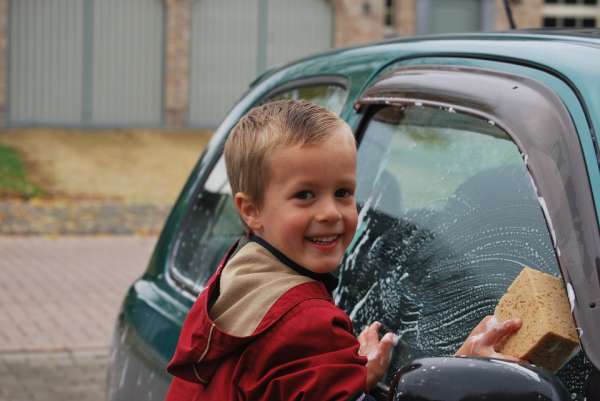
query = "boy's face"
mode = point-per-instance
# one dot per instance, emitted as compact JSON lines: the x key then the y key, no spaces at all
{"x":308,"y":210}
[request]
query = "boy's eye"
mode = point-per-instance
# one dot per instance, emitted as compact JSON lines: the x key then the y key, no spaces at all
{"x":343,"y":193}
{"x":304,"y":195}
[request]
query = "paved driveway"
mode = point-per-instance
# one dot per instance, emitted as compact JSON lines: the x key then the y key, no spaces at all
{"x":53,"y":376}
{"x":58,"y":302}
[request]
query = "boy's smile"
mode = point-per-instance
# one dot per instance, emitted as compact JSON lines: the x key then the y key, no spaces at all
{"x":308,"y":210}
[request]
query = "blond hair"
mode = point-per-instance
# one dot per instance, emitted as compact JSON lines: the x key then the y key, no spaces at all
{"x":265,"y":128}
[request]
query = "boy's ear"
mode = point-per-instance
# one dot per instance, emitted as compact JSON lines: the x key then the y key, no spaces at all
{"x":248,"y":211}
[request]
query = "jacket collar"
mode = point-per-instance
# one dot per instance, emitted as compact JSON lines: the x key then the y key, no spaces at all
{"x":327,"y":279}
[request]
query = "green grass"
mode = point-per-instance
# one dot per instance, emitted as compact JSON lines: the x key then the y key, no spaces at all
{"x":13,"y":176}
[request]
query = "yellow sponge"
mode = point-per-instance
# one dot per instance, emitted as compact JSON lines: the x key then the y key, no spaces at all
{"x":548,"y":336}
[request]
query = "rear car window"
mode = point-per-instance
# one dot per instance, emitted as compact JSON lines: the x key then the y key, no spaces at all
{"x":332,"y":97}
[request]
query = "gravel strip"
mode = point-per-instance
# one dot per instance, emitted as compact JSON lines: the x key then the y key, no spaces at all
{"x":86,"y":217}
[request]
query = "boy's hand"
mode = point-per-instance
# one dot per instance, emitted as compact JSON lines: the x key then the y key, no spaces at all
{"x":488,"y":336}
{"x":378,"y":352}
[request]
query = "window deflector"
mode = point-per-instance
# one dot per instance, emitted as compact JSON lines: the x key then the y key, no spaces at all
{"x":539,"y":124}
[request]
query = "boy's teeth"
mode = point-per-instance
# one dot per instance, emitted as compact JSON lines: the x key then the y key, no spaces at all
{"x":324,"y":239}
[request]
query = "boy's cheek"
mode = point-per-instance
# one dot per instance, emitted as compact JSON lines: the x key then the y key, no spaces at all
{"x":355,"y":216}
{"x":353,"y":223}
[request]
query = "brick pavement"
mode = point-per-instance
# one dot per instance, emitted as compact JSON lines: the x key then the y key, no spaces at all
{"x":55,"y":376}
{"x":58,"y":302}
{"x":64,"y":293}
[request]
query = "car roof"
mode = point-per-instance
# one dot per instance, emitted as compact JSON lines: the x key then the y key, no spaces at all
{"x":593,"y":34}
{"x":514,"y":44}
{"x":531,"y":46}
{"x":579,"y":51}
{"x":557,"y":33}
{"x":570,"y":37}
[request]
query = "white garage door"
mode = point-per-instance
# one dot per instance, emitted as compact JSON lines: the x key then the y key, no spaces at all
{"x":298,"y":28}
{"x":127,"y":62}
{"x":233,"y":41}
{"x":45,"y":61}
{"x":447,"y":16}
{"x":85,"y":63}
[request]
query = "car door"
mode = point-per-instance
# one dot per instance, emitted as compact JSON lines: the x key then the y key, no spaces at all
{"x":465,"y":176}
{"x":196,"y":236}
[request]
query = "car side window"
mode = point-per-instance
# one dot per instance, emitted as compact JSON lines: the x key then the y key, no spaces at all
{"x":212,"y":225}
{"x":331,"y":97}
{"x":448,"y":218}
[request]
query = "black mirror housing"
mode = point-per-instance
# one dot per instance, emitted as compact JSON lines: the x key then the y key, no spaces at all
{"x":474,"y":379}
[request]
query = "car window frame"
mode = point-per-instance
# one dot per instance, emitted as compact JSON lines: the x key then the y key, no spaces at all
{"x":577,"y":247}
{"x":175,"y":278}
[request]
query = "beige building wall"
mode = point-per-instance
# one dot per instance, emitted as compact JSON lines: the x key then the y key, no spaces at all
{"x":358,"y":22}
{"x":405,"y":17}
{"x":177,"y":62}
{"x":526,"y":13}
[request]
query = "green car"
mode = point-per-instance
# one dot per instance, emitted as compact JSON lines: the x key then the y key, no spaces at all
{"x":478,"y":156}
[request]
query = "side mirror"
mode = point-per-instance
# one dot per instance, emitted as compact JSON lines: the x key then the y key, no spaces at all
{"x":474,"y":379}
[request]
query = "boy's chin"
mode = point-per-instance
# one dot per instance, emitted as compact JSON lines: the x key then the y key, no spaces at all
{"x":328,"y":267}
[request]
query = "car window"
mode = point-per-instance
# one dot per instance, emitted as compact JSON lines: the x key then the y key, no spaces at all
{"x":331,"y":97}
{"x":212,"y":225}
{"x":448,"y":218}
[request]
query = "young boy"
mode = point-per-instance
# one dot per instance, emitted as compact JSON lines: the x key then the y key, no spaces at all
{"x":265,"y":327}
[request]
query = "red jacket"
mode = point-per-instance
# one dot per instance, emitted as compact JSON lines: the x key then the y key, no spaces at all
{"x":302,"y":349}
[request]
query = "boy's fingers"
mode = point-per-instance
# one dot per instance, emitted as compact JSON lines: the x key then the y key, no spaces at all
{"x":368,"y":339}
{"x":386,"y":344}
{"x":389,"y":338}
{"x":508,"y":328}
{"x":372,"y":335}
{"x":482,"y":326}
{"x":496,"y":331}
{"x":488,"y":336}
{"x":514,"y":324}
{"x":362,"y":335}
{"x":366,"y":332}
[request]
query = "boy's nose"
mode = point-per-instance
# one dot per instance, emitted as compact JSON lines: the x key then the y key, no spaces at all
{"x":329,"y":212}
